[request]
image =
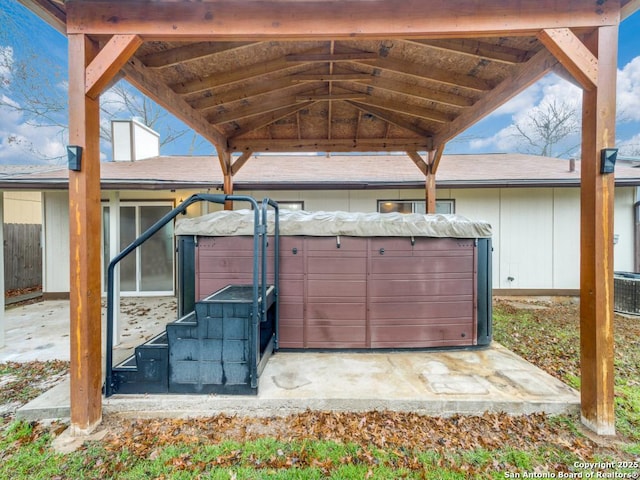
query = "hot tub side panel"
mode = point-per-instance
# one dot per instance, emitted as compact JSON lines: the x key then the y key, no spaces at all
{"x":422,"y":292}
{"x":352,"y":292}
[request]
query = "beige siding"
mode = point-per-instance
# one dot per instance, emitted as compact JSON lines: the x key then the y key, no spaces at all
{"x":55,"y":276}
{"x":536,"y":231}
{"x":23,"y":207}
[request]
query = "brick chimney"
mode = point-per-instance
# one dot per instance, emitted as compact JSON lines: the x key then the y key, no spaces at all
{"x":572,"y":164}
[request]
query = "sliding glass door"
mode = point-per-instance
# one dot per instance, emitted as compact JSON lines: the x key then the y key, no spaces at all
{"x":150,"y":269}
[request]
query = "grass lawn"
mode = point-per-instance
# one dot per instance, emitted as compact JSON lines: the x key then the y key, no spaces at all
{"x":377,"y":445}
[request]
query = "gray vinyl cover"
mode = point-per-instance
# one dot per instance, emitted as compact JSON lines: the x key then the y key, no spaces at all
{"x":329,"y":224}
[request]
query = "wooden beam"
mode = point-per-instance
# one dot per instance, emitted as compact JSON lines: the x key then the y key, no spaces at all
{"x":331,"y":57}
{"x":572,"y":54}
{"x":85,"y":213}
{"x":562,"y":72}
{"x":224,"y":156}
{"x":431,"y":73}
{"x":244,"y":92}
{"x":191,"y":52}
{"x":240,"y":161}
{"x":394,"y":119}
{"x":242,"y":74}
{"x":526,"y":75}
{"x":107,"y":64}
{"x":411,"y":110}
{"x":419,"y":161}
{"x":323,"y":145}
{"x":257,"y":20}
{"x":258,"y":108}
{"x":437,"y":156}
{"x":149,"y":84}
{"x":263,"y":120}
{"x":228,"y":190}
{"x":336,"y":77}
{"x":430,"y":185}
{"x":596,"y":240}
{"x":478,"y":49}
{"x":51,"y":13}
{"x":421,"y":92}
{"x":332,"y":97}
{"x":629,"y":8}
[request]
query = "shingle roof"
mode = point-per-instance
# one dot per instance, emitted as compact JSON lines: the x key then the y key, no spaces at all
{"x":321,"y":172}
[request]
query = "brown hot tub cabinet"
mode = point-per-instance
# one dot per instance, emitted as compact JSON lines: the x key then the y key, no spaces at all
{"x":342,"y":291}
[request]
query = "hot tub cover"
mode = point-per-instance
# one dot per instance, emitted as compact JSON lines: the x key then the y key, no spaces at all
{"x":328,"y":224}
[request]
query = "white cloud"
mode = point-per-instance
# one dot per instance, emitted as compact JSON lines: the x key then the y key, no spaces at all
{"x":629,"y":92}
{"x":630,"y":146}
{"x":21,"y":142}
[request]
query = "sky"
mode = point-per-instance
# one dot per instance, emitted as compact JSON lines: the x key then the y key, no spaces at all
{"x":33,"y":69}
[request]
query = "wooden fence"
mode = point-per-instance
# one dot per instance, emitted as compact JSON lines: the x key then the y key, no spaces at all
{"x":22,"y":256}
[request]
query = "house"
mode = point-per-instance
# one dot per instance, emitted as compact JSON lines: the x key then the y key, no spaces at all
{"x":530,"y":201}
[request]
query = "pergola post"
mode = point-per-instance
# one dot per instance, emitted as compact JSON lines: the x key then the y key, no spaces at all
{"x":224,"y":157}
{"x":84,"y":243}
{"x":596,"y":242}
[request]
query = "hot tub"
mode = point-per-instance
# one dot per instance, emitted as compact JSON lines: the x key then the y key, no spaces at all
{"x":353,"y":281}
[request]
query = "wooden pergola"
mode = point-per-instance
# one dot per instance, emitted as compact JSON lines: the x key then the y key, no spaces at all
{"x":339,"y":76}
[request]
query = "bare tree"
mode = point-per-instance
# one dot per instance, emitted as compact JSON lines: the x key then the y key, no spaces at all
{"x":548,"y":129}
{"x":35,"y":86}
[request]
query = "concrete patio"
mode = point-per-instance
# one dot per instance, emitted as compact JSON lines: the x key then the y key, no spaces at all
{"x":441,"y":382}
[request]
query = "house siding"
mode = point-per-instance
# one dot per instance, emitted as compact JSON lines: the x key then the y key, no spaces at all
{"x":536,"y":231}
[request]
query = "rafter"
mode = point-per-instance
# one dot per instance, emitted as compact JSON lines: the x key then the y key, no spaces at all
{"x":331,"y":97}
{"x":113,"y":56}
{"x":392,"y":118}
{"x":331,"y":57}
{"x":420,"y":92}
{"x":242,"y":74}
{"x":405,"y":109}
{"x":427,"y":72}
{"x":336,"y":77}
{"x":190,"y":53}
{"x":572,"y":54}
{"x":268,"y":118}
{"x":479,"y":49}
{"x":268,"y":105}
{"x":147,"y":82}
{"x":324,"y":145}
{"x":540,"y":64}
{"x":241,"y":93}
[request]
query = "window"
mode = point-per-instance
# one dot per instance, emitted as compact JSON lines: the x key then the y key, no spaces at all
{"x":291,"y":205}
{"x":414,"y":206}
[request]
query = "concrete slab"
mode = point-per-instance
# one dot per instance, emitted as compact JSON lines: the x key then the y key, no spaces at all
{"x":434,"y":383}
{"x":430,"y":383}
{"x":40,"y":331}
